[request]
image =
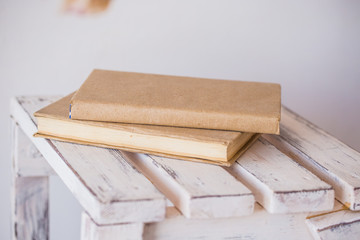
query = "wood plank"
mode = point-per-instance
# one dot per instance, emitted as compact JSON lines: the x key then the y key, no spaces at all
{"x":259,"y":225}
{"x":338,"y":224}
{"x":105,"y":184}
{"x":27,"y":159}
{"x":30,"y":208}
{"x":199,"y":190}
{"x":30,"y":189}
{"x":92,"y":231}
{"x":280,"y":184}
{"x":324,"y":155}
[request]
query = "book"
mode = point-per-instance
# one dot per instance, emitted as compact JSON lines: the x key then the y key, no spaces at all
{"x":201,"y":145}
{"x":154,"y":99}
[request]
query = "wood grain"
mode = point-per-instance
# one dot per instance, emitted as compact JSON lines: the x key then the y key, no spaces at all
{"x":324,"y":155}
{"x":279,"y":183}
{"x":259,"y":225}
{"x":105,"y":184}
{"x":338,"y":224}
{"x":30,"y":208}
{"x":27,"y":159}
{"x":92,"y":231}
{"x":30,"y":189}
{"x":199,"y":190}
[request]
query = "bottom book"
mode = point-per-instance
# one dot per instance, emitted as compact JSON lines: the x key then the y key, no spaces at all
{"x":199,"y":145}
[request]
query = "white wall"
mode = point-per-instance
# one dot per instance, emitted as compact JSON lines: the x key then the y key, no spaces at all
{"x":310,"y":47}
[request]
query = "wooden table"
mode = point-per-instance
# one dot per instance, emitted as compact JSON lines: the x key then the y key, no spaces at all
{"x":283,"y":187}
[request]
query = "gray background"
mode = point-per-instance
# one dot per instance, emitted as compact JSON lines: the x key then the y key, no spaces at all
{"x":310,"y":47}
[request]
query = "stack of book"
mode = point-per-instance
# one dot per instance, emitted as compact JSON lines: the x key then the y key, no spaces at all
{"x":196,"y":119}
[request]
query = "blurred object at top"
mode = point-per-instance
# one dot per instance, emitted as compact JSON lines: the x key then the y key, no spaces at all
{"x":85,"y":6}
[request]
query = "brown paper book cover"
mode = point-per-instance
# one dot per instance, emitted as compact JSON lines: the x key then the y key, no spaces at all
{"x":201,"y":145}
{"x":154,"y":99}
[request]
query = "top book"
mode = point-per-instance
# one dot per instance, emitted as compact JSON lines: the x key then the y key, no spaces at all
{"x":140,"y":98}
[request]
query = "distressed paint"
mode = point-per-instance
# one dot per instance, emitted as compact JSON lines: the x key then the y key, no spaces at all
{"x":259,"y":225}
{"x":27,"y":159}
{"x":107,"y":187}
{"x":30,"y":189}
{"x":339,"y":224}
{"x":30,"y":208}
{"x":199,"y":190}
{"x":280,"y":184}
{"x":324,"y":155}
{"x":92,"y":231}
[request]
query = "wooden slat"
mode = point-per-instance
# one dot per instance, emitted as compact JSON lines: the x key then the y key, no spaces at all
{"x":92,"y":231}
{"x":259,"y":225}
{"x":105,"y":184}
{"x":30,"y":189}
{"x":27,"y":159}
{"x":280,"y":184}
{"x":337,"y":224}
{"x":324,"y":155}
{"x":199,"y":190}
{"x":30,"y":208}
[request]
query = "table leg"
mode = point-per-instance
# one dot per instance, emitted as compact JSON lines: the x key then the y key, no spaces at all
{"x":30,"y":218}
{"x":30,"y":194}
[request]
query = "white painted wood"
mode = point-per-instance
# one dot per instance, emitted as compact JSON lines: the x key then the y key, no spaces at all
{"x":199,"y":190}
{"x":337,"y":224}
{"x":30,"y":208}
{"x":27,"y":159}
{"x":105,"y":184}
{"x":324,"y":155}
{"x":280,"y":184}
{"x":259,"y":225}
{"x":337,"y":207}
{"x":126,"y":231}
{"x":30,"y":189}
